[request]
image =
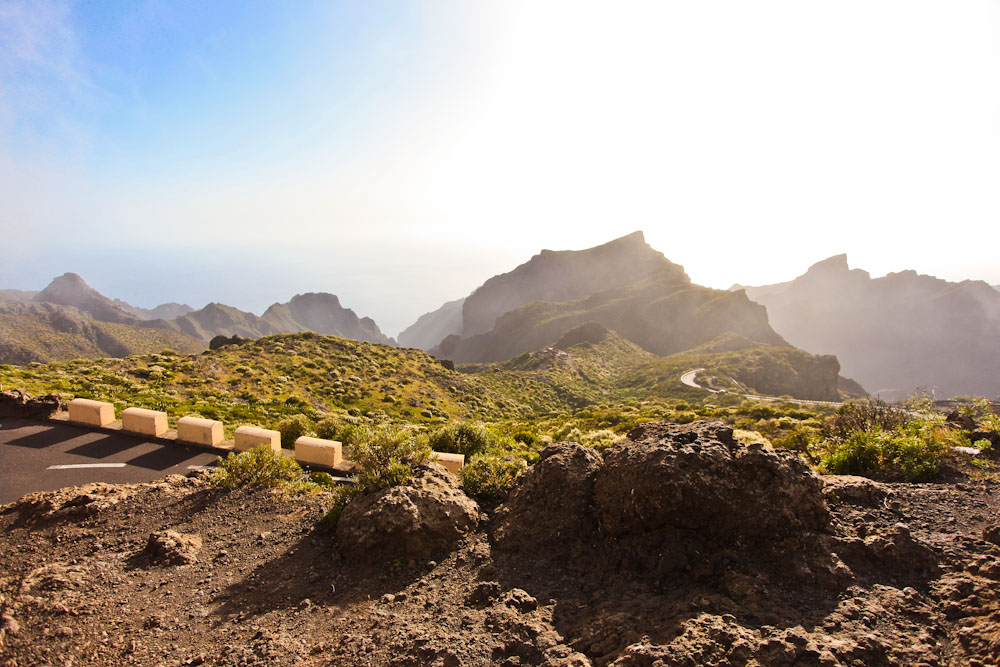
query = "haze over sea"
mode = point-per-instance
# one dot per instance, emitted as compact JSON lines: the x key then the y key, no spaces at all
{"x":398,"y":154}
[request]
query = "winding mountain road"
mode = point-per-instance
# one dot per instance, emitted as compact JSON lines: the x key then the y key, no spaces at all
{"x":690,"y":379}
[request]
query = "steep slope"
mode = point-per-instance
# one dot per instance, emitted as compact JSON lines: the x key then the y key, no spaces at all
{"x":564,"y":275}
{"x":323,"y":314}
{"x":664,"y":313}
{"x":70,"y":289}
{"x":433,"y":327}
{"x":46,"y":332}
{"x":896,"y":333}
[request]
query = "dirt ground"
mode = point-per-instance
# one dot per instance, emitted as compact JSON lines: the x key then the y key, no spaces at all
{"x":261,"y":582}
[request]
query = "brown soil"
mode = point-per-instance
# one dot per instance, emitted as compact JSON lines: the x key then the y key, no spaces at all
{"x":91,"y":576}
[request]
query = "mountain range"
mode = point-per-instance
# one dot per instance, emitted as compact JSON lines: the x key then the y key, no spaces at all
{"x":69,"y":319}
{"x":893,"y":334}
{"x":625,"y":286}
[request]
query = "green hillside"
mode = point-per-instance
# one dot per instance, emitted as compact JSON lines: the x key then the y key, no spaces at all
{"x":265,"y":380}
{"x":44,"y":332}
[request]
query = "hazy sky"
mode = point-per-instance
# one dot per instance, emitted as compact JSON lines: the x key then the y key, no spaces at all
{"x":400,"y":153}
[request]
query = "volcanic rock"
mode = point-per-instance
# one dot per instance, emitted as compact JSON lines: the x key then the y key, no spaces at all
{"x":422,"y":519}
{"x":551,"y":507}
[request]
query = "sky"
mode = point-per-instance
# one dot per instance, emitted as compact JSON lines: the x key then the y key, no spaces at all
{"x":400,"y":153}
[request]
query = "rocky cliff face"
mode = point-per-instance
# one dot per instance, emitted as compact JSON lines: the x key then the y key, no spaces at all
{"x":892,"y":334}
{"x":562,"y":276}
{"x":663,"y":313}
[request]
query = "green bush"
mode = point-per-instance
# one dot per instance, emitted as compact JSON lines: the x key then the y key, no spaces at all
{"x":261,"y":466}
{"x":292,"y":428}
{"x":387,"y":455}
{"x":328,"y":428}
{"x":906,"y":454}
{"x":490,"y":477}
{"x":467,"y":438}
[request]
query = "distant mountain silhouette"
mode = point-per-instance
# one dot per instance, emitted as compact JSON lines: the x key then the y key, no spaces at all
{"x":70,"y":289}
{"x":322,"y":313}
{"x":60,"y":321}
{"x":893,"y":334}
{"x":564,"y":275}
{"x":433,"y":327}
{"x":165,"y":311}
{"x":664,"y":313}
{"x":624,"y":286}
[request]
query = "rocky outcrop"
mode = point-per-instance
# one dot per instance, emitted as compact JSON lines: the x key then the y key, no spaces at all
{"x":173,"y":548}
{"x":669,"y":493}
{"x":662,"y":499}
{"x":557,"y":493}
{"x":18,"y":403}
{"x":423,"y":519}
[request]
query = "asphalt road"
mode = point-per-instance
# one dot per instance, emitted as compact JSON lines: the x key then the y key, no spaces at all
{"x":29,"y":451}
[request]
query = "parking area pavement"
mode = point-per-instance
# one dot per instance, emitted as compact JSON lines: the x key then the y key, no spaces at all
{"x":42,"y":456}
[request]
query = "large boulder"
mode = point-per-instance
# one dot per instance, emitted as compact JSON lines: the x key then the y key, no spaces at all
{"x":672,"y":491}
{"x":423,"y":519}
{"x":551,"y":504}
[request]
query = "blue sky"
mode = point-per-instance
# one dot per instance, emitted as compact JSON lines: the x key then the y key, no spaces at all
{"x":400,"y":153}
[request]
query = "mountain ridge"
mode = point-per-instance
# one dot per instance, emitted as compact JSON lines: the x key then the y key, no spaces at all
{"x":895,"y":333}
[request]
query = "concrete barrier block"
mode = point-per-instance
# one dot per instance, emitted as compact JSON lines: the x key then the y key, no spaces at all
{"x":200,"y":431}
{"x":249,"y":437}
{"x":453,"y":462}
{"x":146,"y":422}
{"x":318,"y":451}
{"x":94,"y":413}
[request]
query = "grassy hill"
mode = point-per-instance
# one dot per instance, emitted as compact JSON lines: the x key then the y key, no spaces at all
{"x":263,"y":381}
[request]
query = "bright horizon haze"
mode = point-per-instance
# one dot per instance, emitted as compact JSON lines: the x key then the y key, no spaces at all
{"x":399,"y":154}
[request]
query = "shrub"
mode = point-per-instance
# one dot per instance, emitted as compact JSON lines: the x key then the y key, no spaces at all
{"x":490,"y":477}
{"x":387,"y":455}
{"x":905,"y":454}
{"x":467,"y":438}
{"x":293,"y":427}
{"x":874,"y":414}
{"x":328,"y":427}
{"x":261,"y":466}
{"x":599,"y":440}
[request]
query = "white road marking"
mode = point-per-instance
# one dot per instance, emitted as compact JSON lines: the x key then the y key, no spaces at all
{"x":202,"y":467}
{"x":74,"y":466}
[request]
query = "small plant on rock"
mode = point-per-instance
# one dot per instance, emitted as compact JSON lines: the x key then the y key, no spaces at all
{"x":387,"y":455}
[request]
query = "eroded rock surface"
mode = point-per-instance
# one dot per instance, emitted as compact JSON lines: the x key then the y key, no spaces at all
{"x":422,"y":519}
